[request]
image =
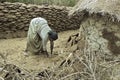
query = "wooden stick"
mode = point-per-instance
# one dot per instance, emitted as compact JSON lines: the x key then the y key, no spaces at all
{"x":51,"y":46}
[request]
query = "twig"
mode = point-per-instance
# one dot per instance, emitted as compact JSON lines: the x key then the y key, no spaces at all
{"x":82,"y":62}
{"x":2,"y":78}
{"x":47,"y":75}
{"x":2,"y":69}
{"x":74,"y":74}
{"x":66,"y":60}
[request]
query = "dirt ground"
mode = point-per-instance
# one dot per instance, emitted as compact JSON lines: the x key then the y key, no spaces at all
{"x":13,"y":50}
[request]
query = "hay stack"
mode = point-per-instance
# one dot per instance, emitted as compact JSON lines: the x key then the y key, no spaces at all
{"x":112,"y":7}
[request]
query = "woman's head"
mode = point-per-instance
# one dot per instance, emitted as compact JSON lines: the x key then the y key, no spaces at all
{"x":53,"y":35}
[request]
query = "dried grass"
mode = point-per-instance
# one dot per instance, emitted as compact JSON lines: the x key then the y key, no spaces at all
{"x":110,"y":7}
{"x":94,"y":68}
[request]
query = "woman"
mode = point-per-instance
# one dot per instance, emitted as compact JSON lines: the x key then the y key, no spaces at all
{"x":38,"y":35}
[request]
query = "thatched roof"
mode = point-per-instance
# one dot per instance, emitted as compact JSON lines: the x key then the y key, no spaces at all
{"x":112,"y":7}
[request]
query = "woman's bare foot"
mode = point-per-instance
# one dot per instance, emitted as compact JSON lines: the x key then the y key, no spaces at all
{"x":25,"y":53}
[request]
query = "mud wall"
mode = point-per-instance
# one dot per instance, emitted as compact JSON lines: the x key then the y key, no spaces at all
{"x":101,"y":35}
{"x":15,"y":18}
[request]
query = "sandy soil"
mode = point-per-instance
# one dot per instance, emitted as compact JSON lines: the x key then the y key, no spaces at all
{"x":14,"y":48}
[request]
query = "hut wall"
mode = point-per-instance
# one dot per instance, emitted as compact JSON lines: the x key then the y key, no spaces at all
{"x":101,"y":35}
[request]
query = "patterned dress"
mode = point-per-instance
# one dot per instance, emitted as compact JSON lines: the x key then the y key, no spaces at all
{"x":37,"y":37}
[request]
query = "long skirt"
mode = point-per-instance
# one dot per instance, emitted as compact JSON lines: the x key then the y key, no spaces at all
{"x":34,"y":43}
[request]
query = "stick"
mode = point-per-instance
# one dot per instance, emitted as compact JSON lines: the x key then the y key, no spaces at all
{"x":65,"y":61}
{"x":51,"y":46}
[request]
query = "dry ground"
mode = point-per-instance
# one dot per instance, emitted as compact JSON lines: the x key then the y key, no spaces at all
{"x":14,"y":48}
{"x":34,"y":64}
